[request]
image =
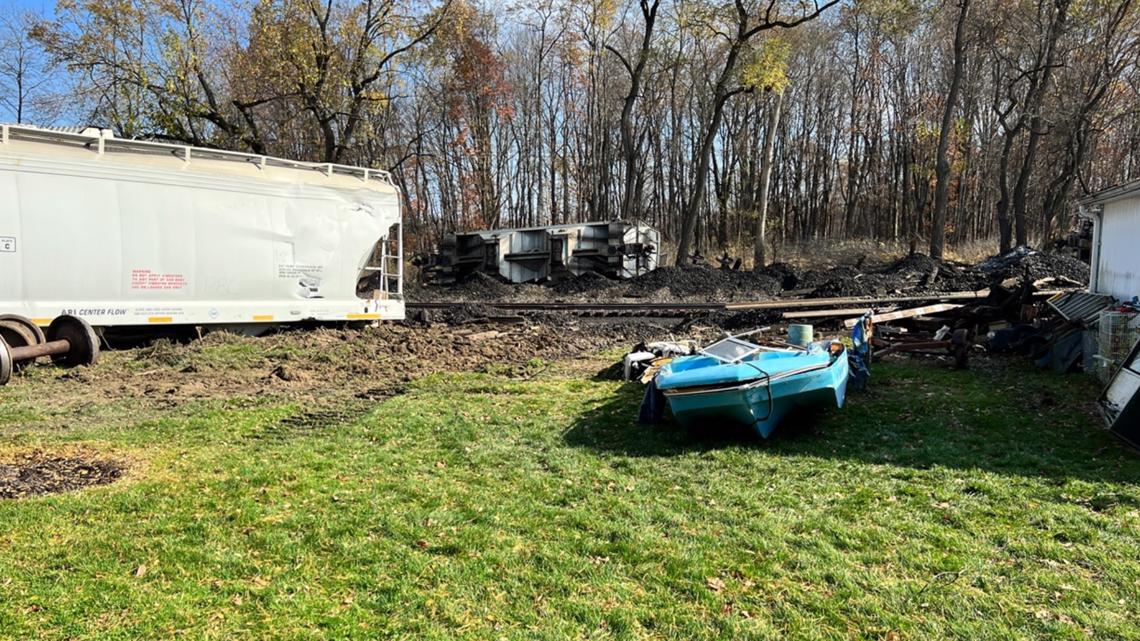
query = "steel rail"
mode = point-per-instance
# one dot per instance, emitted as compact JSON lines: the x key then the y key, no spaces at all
{"x":572,"y":306}
{"x":774,"y":305}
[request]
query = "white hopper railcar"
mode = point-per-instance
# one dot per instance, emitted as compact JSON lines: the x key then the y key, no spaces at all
{"x":128,"y":233}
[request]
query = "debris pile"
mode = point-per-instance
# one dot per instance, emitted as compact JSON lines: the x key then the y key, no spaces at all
{"x":1024,"y":263}
{"x":36,"y":473}
{"x":1059,"y":332}
{"x":1052,"y":334}
{"x":910,"y":275}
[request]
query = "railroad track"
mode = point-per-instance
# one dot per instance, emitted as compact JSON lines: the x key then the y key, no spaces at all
{"x":850,"y":306}
{"x":601,"y":310}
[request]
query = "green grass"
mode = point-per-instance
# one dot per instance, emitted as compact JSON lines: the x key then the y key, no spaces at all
{"x":972,"y":505}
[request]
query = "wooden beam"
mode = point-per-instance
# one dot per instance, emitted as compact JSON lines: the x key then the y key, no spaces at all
{"x":905,"y":313}
{"x":868,"y":301}
{"x":833,"y":313}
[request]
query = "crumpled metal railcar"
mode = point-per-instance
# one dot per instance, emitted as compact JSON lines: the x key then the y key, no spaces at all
{"x":128,"y":233}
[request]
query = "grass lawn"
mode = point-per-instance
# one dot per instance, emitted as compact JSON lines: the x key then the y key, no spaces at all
{"x":973,"y":505}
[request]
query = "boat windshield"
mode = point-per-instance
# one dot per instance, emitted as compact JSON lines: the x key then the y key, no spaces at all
{"x":731,"y":350}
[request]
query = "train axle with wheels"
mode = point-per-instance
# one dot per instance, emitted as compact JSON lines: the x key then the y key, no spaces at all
{"x":69,"y":341}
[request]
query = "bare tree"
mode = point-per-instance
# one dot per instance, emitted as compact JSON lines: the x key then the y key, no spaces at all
{"x":538,"y":111}
{"x":760,"y":253}
{"x":747,"y":26}
{"x":942,"y":164}
{"x":636,"y":72}
{"x":26,"y":72}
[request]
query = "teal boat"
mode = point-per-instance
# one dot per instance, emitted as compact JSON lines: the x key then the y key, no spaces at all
{"x":737,"y":382}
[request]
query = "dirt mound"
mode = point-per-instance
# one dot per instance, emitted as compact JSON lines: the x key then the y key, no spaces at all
{"x":589,"y":282}
{"x":919,"y":272}
{"x":35,"y":474}
{"x":1044,"y":265}
{"x":1026,"y":263}
{"x":914,"y":264}
{"x":912,"y":274}
{"x":849,"y":287}
{"x":843,"y":281}
{"x":784,"y":274}
{"x":476,"y":287}
{"x":814,"y":278}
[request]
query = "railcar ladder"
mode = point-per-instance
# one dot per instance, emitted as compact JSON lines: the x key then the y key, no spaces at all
{"x":389,"y":264}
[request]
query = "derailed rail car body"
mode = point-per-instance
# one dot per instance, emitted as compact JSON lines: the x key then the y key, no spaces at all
{"x":129,"y":233}
{"x":615,"y":249}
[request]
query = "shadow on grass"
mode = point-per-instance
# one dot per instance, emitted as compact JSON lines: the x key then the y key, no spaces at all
{"x":1006,"y":419}
{"x":613,"y":427}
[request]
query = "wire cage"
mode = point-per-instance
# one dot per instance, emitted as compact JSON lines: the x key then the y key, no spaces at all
{"x":1118,"y":332}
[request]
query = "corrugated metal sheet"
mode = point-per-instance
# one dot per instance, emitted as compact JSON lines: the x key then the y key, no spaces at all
{"x":94,"y":132}
{"x":1081,"y":307}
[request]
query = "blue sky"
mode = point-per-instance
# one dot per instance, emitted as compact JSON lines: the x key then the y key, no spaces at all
{"x":17,"y":7}
{"x":70,"y":114}
{"x":39,"y":6}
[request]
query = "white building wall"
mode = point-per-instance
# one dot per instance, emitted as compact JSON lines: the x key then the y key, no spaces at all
{"x":1118,"y":258}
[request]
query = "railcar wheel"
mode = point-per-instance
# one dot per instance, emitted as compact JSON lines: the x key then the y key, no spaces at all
{"x":17,"y":334}
{"x":26,"y":323}
{"x":5,"y":363}
{"x":84,"y":342}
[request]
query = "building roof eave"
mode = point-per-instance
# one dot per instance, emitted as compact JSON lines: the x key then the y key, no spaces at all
{"x":1112,"y":194}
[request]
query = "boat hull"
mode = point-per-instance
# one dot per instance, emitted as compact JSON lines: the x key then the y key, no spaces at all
{"x":760,"y":404}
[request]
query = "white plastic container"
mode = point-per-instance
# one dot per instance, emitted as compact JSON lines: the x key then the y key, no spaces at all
{"x":135,"y":233}
{"x":800,"y":335}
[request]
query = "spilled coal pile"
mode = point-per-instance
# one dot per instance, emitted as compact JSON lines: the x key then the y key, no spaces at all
{"x":1029,"y":264}
{"x":914,"y":274}
{"x":683,"y":283}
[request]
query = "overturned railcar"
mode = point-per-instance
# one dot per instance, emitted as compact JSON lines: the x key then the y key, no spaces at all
{"x":614,"y":249}
{"x":128,"y":233}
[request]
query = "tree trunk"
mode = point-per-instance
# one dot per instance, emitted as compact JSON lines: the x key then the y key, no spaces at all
{"x":629,"y":208}
{"x":1005,"y":226}
{"x":942,"y":166}
{"x":704,"y":156}
{"x":760,"y":255}
{"x":1036,"y":122}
